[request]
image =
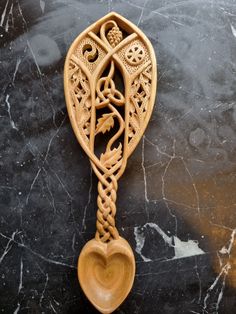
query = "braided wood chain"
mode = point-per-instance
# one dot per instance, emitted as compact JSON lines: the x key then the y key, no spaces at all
{"x":107,"y":47}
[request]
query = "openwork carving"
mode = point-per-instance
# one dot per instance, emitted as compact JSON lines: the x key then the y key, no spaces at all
{"x":81,"y":100}
{"x":110,"y":83}
{"x":139,"y":100}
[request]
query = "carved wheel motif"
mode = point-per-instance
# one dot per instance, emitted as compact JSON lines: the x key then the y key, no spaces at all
{"x":134,"y":55}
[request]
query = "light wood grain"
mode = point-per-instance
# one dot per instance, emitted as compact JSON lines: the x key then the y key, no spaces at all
{"x":106,"y":273}
{"x":98,"y":108}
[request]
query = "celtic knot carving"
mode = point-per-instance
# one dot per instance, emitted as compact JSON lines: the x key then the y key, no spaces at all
{"x":100,"y":103}
{"x":107,"y":92}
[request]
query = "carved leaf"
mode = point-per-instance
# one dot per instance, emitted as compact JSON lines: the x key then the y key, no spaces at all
{"x":111,"y":157}
{"x":105,"y":123}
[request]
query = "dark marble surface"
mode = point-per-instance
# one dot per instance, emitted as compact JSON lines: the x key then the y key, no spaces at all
{"x":177,"y":200}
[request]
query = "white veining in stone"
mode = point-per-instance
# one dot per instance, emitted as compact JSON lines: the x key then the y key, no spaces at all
{"x":42,"y":5}
{"x":233,"y":30}
{"x":140,"y":240}
{"x":181,"y":248}
{"x":9,"y":112}
{"x":21,"y":276}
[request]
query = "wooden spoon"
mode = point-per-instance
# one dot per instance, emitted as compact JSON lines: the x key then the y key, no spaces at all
{"x":98,"y":109}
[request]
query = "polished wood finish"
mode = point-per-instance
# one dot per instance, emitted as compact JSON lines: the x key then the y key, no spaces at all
{"x":106,"y":273}
{"x":98,"y":110}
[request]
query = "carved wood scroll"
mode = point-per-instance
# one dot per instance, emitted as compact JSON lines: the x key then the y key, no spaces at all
{"x":110,"y":85}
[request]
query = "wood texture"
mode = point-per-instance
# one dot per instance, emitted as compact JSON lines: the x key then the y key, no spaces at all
{"x":106,"y":273}
{"x":108,"y":112}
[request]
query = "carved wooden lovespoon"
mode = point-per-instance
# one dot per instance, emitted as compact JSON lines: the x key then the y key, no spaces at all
{"x":106,"y":265}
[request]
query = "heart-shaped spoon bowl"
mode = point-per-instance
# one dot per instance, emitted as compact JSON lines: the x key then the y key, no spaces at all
{"x":106,"y":273}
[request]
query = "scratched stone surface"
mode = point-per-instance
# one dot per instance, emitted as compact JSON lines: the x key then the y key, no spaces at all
{"x":176,"y":200}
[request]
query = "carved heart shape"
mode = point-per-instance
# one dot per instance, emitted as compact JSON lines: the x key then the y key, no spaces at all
{"x":106,"y":273}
